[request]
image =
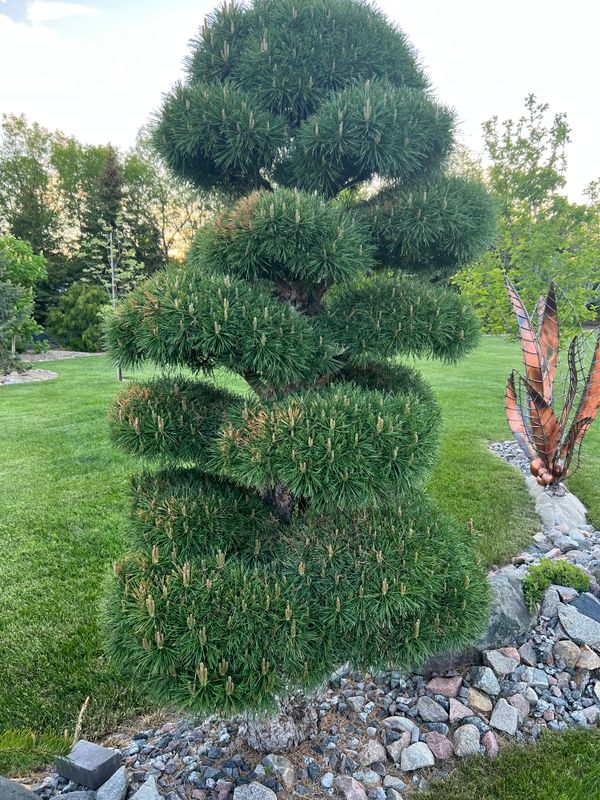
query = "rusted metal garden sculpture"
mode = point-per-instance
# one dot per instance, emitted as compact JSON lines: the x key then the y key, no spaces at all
{"x":549,"y":416}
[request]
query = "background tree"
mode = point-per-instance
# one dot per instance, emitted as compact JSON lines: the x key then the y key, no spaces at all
{"x":301,"y":537}
{"x":164,"y":201}
{"x":542,"y":236}
{"x":63,"y":196}
{"x":76,"y":320}
{"x":21,"y":270}
{"x":10,"y":301}
{"x":28,"y":208}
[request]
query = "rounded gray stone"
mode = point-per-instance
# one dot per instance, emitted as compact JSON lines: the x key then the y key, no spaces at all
{"x":505,"y":717}
{"x":430,"y":711}
{"x":417,"y":756}
{"x":466,"y":741}
{"x":484,"y":678}
{"x":115,"y":787}
{"x":253,"y":791}
{"x":11,"y":790}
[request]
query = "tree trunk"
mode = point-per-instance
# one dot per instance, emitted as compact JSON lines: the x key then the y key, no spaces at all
{"x":295,"y":721}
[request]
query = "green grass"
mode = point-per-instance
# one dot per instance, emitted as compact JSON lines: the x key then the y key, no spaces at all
{"x":559,"y":767}
{"x":63,"y":519}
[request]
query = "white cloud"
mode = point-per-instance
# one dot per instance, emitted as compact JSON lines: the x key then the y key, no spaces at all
{"x":41,"y":11}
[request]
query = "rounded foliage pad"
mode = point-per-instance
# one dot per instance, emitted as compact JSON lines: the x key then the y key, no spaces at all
{"x":435,"y":227}
{"x":375,"y":129}
{"x":389,"y":315}
{"x":223,"y":632}
{"x":285,"y":236}
{"x":211,"y":133}
{"x":292,"y":54}
{"x":341,"y":447}
{"x":191,"y":318}
{"x":393,"y":583}
{"x":169,"y":419}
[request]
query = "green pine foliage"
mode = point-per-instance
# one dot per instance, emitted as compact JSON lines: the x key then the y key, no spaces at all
{"x":286,"y":531}
{"x":168,"y":419}
{"x":387,"y":315}
{"x":436,"y":227}
{"x":340,"y":447}
{"x":286,"y":236}
{"x":195,"y":319}
{"x":370,"y":129}
{"x":369,"y":571}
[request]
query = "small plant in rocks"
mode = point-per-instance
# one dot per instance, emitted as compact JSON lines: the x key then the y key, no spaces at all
{"x":287,"y":531}
{"x":547,"y":573}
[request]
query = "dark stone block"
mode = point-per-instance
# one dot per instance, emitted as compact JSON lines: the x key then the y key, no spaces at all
{"x":588,"y":605}
{"x":89,"y":764}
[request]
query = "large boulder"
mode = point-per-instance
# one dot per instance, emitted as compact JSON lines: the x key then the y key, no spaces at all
{"x":558,"y":508}
{"x":509,"y":615}
{"x":581,"y":628}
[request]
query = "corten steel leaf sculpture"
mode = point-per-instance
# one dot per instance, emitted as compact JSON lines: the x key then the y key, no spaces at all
{"x":550,"y":425}
{"x":287,"y":530}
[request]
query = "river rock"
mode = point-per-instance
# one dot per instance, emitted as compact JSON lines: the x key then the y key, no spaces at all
{"x":447,"y":687}
{"x":483,"y":678}
{"x":588,"y":659}
{"x":282,"y":767}
{"x":440,"y":745}
{"x":466,"y":741}
{"x":349,"y":787}
{"x":430,"y":711}
{"x":479,"y":701}
{"x":568,"y":652}
{"x":588,"y":605}
{"x":505,"y":717}
{"x":371,"y":752}
{"x":395,"y":749}
{"x":509,"y":616}
{"x":458,"y":711}
{"x":253,"y":791}
{"x":11,"y":790}
{"x":490,"y":744}
{"x":580,"y":628}
{"x":115,"y":787}
{"x":499,"y":662}
{"x":417,"y":756}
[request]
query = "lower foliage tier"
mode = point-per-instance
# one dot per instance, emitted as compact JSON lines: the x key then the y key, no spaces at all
{"x":221,"y":607}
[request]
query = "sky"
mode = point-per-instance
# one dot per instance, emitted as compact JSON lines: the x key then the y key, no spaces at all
{"x":96,"y":69}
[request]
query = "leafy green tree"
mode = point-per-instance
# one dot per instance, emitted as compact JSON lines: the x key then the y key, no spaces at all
{"x":542,"y":236}
{"x":28,"y":208}
{"x":288,"y":531}
{"x":20,"y":270}
{"x":60,"y":194}
{"x":76,"y":320}
{"x":11,"y":313}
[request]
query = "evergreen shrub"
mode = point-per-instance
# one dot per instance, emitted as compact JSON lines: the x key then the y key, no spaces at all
{"x":279,"y":534}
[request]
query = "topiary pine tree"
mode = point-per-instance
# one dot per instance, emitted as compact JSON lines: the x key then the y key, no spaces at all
{"x":286,"y":530}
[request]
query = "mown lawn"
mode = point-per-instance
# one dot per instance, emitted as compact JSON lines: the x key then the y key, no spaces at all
{"x":63,"y":501}
{"x":560,"y":766}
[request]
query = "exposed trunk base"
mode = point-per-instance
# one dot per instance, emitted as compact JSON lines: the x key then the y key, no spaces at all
{"x":295,"y":721}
